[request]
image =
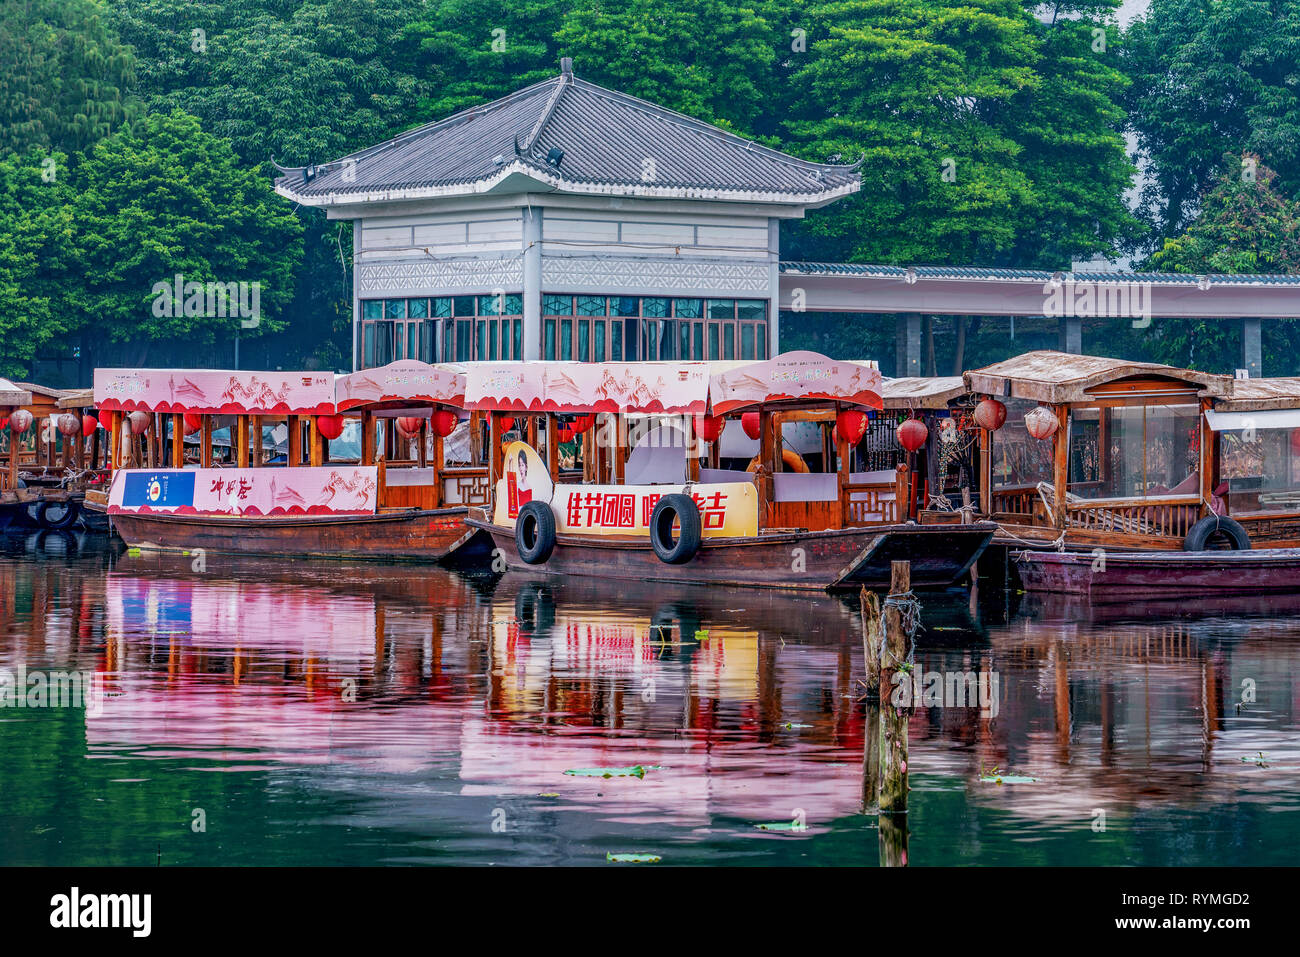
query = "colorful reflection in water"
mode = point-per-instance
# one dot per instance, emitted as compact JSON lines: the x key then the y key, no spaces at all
{"x":359,"y":713}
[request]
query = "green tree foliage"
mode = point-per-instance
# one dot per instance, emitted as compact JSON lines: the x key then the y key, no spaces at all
{"x":987,"y":136}
{"x":38,"y":260}
{"x":167,"y":198}
{"x":63,"y":75}
{"x":1211,"y":78}
{"x":1244,"y":226}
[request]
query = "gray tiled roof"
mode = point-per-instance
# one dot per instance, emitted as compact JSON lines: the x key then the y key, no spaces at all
{"x":868,"y":271}
{"x":606,"y":138}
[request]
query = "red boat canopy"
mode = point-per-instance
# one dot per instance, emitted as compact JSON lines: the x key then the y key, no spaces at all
{"x":795,"y":376}
{"x":665,"y":388}
{"x":406,"y":380}
{"x":214,"y":392}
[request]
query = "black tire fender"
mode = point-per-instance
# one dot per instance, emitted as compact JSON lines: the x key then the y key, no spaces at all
{"x":682,"y":510}
{"x":1199,"y":535}
{"x":69,"y":517}
{"x":535,"y":533}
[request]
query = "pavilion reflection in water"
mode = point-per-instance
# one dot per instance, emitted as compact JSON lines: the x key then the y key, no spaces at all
{"x":748,"y":701}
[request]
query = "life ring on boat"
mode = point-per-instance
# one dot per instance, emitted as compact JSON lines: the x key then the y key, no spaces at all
{"x":680,"y":510}
{"x":1216,"y":525}
{"x":535,"y":533}
{"x":793,"y":461}
{"x":57,"y":516}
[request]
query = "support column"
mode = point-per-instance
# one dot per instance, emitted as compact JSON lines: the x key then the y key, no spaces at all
{"x":1252,"y":349}
{"x":907,"y":361}
{"x":774,"y":288}
{"x":532,"y":282}
{"x":1071,"y":332}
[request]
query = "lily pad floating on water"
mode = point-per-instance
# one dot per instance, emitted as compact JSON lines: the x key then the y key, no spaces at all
{"x":792,"y":724}
{"x":635,"y":771}
{"x":1009,"y":779}
{"x":782,"y":826}
{"x":633,"y":858}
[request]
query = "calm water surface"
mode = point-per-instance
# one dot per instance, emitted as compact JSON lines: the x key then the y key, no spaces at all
{"x":355,"y":713}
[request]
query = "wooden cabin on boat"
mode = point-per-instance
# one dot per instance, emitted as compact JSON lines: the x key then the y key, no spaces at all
{"x":942,"y":476}
{"x":655,"y":498}
{"x":1120,"y":456}
{"x":383,"y":498}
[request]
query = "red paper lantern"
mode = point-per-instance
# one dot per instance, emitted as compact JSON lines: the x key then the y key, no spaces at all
{"x":408,"y":425}
{"x":709,"y":428}
{"x":139,"y":422}
{"x":20,"y":422}
{"x":88,"y":425}
{"x":192,"y":423}
{"x":851,"y":424}
{"x":990,"y":414}
{"x":749,"y":422}
{"x":330,"y":426}
{"x":912,"y":434}
{"x":69,"y":424}
{"x":443,"y":422}
{"x":1041,"y":422}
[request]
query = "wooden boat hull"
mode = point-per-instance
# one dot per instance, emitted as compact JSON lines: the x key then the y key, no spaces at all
{"x":811,"y":561}
{"x":1124,"y":576}
{"x":415,"y":535}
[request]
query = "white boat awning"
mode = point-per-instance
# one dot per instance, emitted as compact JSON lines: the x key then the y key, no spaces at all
{"x":1263,"y":419}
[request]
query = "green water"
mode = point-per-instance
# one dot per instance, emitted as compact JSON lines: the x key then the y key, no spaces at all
{"x":267,"y":712}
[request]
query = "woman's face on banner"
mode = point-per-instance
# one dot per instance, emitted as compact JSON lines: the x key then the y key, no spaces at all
{"x":523,"y":468}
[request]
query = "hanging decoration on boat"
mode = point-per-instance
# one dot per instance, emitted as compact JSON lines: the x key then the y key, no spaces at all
{"x":20,"y":422}
{"x":192,"y":423}
{"x":69,"y":424}
{"x":409,"y":426}
{"x":88,"y":425}
{"x":565,"y":434}
{"x":749,"y":422}
{"x":1041,"y":422}
{"x":139,"y":422}
{"x":851,"y":424}
{"x":330,"y":426}
{"x":709,"y":427}
{"x":912,"y":434}
{"x":4,"y":422}
{"x":990,"y":414}
{"x":443,"y":422}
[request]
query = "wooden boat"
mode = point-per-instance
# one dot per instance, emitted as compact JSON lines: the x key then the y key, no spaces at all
{"x":1124,"y":576}
{"x":387,"y":502}
{"x":641,"y":430}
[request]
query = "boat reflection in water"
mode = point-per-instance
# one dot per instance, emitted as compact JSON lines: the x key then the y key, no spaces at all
{"x":410,"y":714}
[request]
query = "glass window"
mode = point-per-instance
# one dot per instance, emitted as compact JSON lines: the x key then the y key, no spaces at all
{"x":463,"y":329}
{"x":519,"y":339}
{"x":548,"y":347}
{"x":751,"y":309}
{"x":488,"y":305}
{"x":713,"y":341}
{"x":481,"y":352}
{"x":427,"y":334}
{"x":697,"y":350}
{"x":557,"y":305}
{"x":1134,"y":451}
{"x":463,"y":305}
{"x":372,"y":309}
{"x":747,"y":341}
{"x":1262,"y":469}
{"x":514,"y":305}
{"x":492,"y":341}
{"x":684,"y":340}
{"x":368,"y":350}
{"x":566,"y":338}
{"x":584,"y":340}
{"x":442,"y":307}
{"x":1018,"y":458}
{"x":616,"y":340}
{"x":624,"y":305}
{"x":762,"y":341}
{"x":600,"y":341}
{"x":722,"y":309}
{"x":655,"y":308}
{"x":688,"y":308}
{"x":728,"y":341}
{"x":417,"y":308}
{"x":652,"y":340}
{"x":668,"y":339}
{"x":448,"y":341}
{"x":401,"y":340}
{"x":591,"y":305}
{"x":394,"y":308}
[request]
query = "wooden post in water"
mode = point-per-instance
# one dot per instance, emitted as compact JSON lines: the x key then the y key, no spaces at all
{"x":869,"y":610}
{"x":893,"y":724}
